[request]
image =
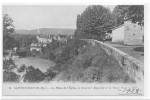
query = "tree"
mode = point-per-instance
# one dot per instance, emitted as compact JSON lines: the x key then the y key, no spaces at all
{"x":119,"y":13}
{"x":136,"y":13}
{"x":8,"y":28}
{"x":133,"y":12}
{"x":24,"y":40}
{"x":93,"y":21}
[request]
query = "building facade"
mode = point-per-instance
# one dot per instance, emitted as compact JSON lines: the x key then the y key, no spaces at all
{"x":37,"y":46}
{"x":44,"y":38}
{"x":118,"y":34}
{"x":133,"y":33}
{"x":129,"y":33}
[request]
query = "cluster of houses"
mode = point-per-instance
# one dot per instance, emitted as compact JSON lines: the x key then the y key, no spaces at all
{"x":42,"y":42}
{"x":129,"y":33}
{"x":44,"y":39}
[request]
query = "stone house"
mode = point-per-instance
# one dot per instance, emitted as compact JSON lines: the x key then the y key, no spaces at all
{"x":44,"y":38}
{"x":134,"y":33}
{"x":128,"y":33}
{"x":37,"y":46}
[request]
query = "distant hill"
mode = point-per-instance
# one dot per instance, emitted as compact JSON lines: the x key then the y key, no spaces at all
{"x":53,"y":31}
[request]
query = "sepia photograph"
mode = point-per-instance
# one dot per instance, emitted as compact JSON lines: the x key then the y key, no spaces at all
{"x":73,"y":49}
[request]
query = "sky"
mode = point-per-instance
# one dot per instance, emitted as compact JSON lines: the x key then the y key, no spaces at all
{"x":44,"y":16}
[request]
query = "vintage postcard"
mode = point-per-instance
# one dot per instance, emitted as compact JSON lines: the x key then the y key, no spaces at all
{"x":75,"y":50}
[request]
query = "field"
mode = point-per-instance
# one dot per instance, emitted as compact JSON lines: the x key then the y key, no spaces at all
{"x":40,"y":63}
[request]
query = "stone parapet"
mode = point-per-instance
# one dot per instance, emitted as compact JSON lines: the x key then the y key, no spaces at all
{"x":133,"y":67}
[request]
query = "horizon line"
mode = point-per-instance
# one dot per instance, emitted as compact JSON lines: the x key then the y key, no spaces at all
{"x":46,"y":27}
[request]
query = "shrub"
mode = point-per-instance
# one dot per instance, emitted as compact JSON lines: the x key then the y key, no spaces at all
{"x":65,"y":76}
{"x":9,"y":76}
{"x":5,"y":53}
{"x":51,"y":73}
{"x":22,"y":68}
{"x":53,"y":45}
{"x":139,"y":49}
{"x":45,"y":53}
{"x":47,"y":79}
{"x":111,"y":78}
{"x":8,"y":65}
{"x":87,"y":63}
{"x":70,"y":50}
{"x":28,"y":52}
{"x":35,"y":53}
{"x":84,"y":49}
{"x":52,"y":56}
{"x":33,"y":75}
{"x":92,"y":74}
{"x":95,"y":37}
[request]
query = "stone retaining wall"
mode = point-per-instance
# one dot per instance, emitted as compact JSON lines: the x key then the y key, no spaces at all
{"x":133,"y":67}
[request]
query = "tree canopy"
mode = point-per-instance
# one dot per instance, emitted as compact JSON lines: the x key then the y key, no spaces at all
{"x":133,"y":12}
{"x":96,"y":19}
{"x":8,"y":28}
{"x":93,"y":21}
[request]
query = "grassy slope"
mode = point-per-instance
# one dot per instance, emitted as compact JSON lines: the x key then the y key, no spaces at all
{"x":93,"y":65}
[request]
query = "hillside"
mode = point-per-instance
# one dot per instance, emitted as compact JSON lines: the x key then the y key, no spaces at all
{"x":54,"y":31}
{"x":75,"y":61}
{"x":80,"y":61}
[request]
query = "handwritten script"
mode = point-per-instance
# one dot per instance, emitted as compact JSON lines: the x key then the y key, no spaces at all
{"x":129,"y":91}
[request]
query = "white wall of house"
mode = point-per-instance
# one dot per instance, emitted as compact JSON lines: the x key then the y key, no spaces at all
{"x":43,"y":40}
{"x":35,"y":48}
{"x":118,"y":34}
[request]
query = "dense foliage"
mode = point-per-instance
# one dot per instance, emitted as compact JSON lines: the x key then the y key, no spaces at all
{"x":70,"y":50}
{"x":22,"y":68}
{"x":33,"y":75}
{"x":133,"y":12}
{"x":8,"y":29}
{"x":88,"y":64}
{"x":96,"y":20}
{"x":119,"y":13}
{"x":8,"y":74}
{"x":93,"y":22}
{"x":24,"y":40}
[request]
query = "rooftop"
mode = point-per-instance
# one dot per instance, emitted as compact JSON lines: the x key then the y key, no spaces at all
{"x":43,"y":36}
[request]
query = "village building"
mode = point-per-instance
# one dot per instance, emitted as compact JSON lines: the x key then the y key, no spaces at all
{"x":44,"y":38}
{"x":37,"y":46}
{"x":129,"y":33}
{"x":62,"y":38}
{"x":134,"y":33}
